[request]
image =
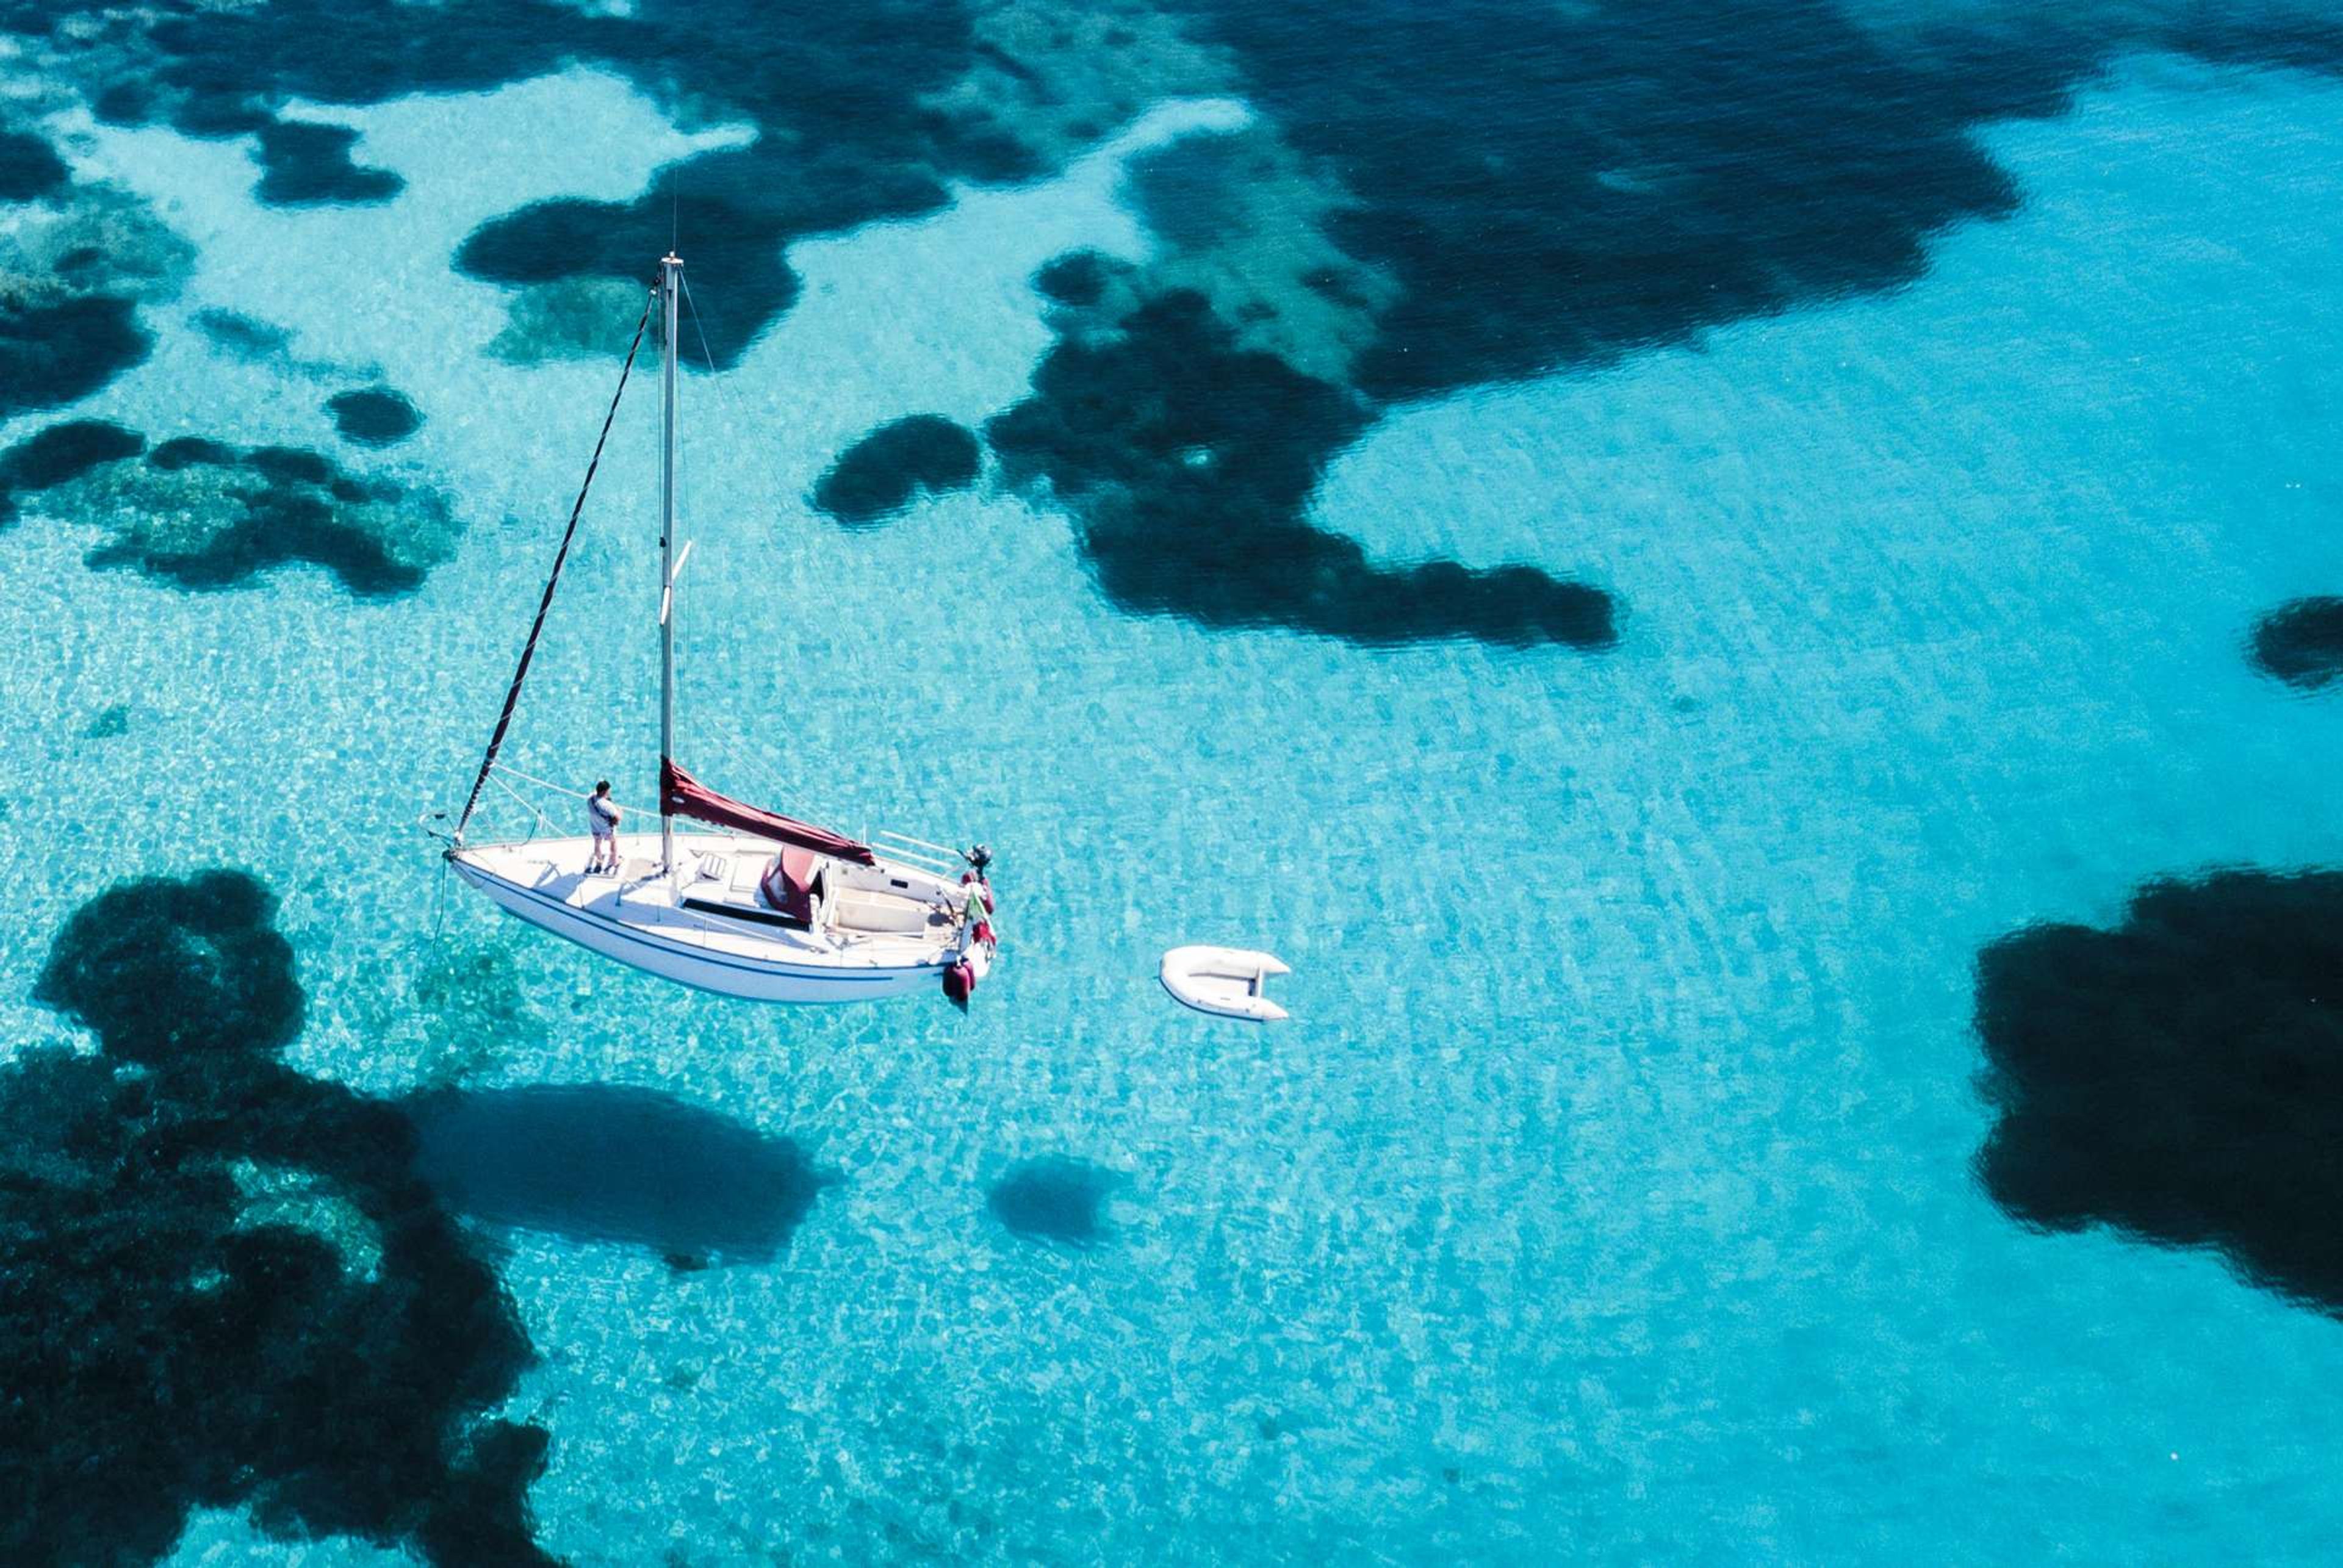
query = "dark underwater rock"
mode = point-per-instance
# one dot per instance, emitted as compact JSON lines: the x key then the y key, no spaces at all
{"x":852,"y":136}
{"x":240,"y":337}
{"x":374,"y":416}
{"x":60,"y":349}
{"x":306,"y":164}
{"x":1558,"y":186}
{"x":74,"y":270}
{"x":2181,"y":1077}
{"x":76,"y":266}
{"x":1522,"y":189}
{"x":292,"y":465}
{"x":1077,"y":277}
{"x":742,"y":205}
{"x":851,"y":100}
{"x":203,"y":515}
{"x":29,"y":167}
{"x":602,"y":1163}
{"x":882,"y":473}
{"x":1055,"y":1198}
{"x":1188,"y":193}
{"x":189,"y":451}
{"x":111,"y":723}
{"x":1516,"y":189}
{"x":2301,"y":642}
{"x":1546,"y":185}
{"x":165,"y":970}
{"x":569,"y":319}
{"x":221,"y":1285}
{"x":65,"y":450}
{"x":1187,"y":461}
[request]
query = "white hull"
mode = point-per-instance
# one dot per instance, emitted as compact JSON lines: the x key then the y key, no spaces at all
{"x":895,"y":929}
{"x":1228,"y":982}
{"x":773,"y":909}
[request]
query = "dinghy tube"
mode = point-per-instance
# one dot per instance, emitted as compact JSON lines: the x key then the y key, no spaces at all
{"x":1227,"y":982}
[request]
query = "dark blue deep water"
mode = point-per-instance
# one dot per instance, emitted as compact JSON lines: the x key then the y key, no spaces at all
{"x":1750,"y":595}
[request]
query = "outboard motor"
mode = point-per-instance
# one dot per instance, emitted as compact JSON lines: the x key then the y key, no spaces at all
{"x":977,"y":858}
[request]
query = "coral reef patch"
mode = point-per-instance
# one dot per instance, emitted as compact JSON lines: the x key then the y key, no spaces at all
{"x":1077,"y":277}
{"x":306,"y":163}
{"x":1187,"y":461}
{"x":221,"y":1282}
{"x":77,"y":259}
{"x":374,"y":416}
{"x":2301,"y":642}
{"x":1517,"y":190}
{"x":29,"y":167}
{"x":203,"y":515}
{"x":1430,"y":198}
{"x":886,"y":470}
{"x":245,"y":338}
{"x":2179,"y":1078}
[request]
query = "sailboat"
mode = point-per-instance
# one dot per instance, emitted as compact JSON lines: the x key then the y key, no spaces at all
{"x":763,"y":907}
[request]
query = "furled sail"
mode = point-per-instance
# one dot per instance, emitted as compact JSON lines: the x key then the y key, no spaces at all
{"x":681,"y":795}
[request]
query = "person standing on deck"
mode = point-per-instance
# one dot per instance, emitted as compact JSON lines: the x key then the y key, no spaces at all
{"x":602,"y":815}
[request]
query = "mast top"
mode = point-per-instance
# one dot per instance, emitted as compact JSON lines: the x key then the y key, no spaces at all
{"x":670,"y":275}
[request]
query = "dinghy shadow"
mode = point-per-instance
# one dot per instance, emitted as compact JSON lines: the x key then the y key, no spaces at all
{"x":610,"y":1163}
{"x":1056,"y":1198}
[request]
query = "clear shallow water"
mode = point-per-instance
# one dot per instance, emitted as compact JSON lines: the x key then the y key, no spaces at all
{"x":1612,"y":1193}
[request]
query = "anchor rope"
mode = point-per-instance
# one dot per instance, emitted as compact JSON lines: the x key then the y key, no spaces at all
{"x":545,"y":603}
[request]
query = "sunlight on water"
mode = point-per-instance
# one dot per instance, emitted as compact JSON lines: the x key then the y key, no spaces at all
{"x":1610,"y":1196}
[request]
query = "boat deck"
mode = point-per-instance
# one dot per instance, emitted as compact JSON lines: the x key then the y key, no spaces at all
{"x":908,"y":919}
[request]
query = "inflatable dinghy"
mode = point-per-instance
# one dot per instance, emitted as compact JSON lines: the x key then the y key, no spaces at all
{"x":1225,"y":981}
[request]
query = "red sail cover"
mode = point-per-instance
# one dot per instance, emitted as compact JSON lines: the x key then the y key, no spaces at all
{"x":681,"y":795}
{"x":788,"y":883}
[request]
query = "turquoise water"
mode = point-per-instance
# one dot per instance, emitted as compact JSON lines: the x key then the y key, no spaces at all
{"x":1611,"y":1195}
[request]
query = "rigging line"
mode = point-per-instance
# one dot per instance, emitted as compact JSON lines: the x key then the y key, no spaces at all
{"x":545,"y":603}
{"x":768,"y":775}
{"x":508,"y":772}
{"x":717,"y":377}
{"x":756,"y":766}
{"x":722,"y":383}
{"x":543,"y":820}
{"x":705,"y":356}
{"x":730,"y":742}
{"x":738,"y":752}
{"x":735,"y":410}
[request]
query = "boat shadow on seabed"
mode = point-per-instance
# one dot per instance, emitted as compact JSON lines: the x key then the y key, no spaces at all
{"x":610,"y":1163}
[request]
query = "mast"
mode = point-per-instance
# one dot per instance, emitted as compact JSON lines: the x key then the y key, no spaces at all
{"x":671,"y":280}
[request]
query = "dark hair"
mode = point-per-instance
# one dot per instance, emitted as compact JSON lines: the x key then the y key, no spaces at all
{"x":603,"y":788}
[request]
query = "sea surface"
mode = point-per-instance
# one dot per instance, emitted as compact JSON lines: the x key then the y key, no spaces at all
{"x":1684,"y":566}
